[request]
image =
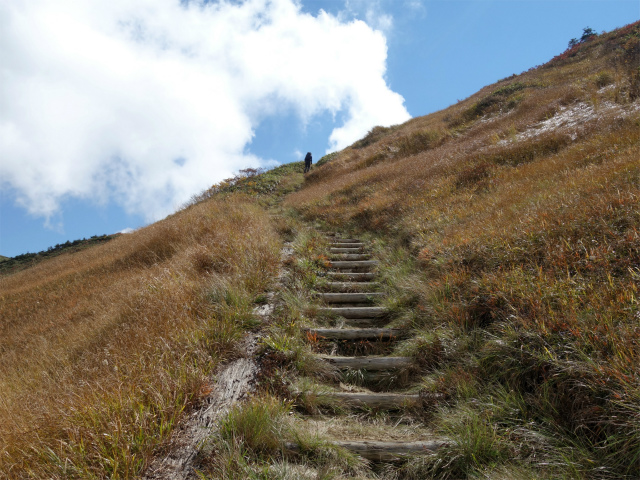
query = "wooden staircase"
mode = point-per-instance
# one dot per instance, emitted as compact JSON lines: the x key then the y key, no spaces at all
{"x":351,"y":296}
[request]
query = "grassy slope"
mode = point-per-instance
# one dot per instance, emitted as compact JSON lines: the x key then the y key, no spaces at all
{"x":522,"y":258}
{"x":10,"y":265}
{"x":110,"y":345}
{"x":525,"y":234}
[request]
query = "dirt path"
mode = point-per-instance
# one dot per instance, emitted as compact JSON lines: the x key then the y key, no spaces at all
{"x":233,"y":383}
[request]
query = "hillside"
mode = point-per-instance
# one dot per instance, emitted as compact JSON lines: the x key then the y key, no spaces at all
{"x":506,"y":234}
{"x":20,"y":262}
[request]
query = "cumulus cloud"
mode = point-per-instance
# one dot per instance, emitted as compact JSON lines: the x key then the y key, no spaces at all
{"x":145,"y":103}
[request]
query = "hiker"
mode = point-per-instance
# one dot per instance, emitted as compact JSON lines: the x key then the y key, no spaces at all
{"x":307,"y":162}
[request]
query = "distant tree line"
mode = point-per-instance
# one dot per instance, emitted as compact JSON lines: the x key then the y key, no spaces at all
{"x":61,"y":246}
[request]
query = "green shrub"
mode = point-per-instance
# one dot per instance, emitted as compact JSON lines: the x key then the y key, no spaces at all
{"x":419,"y":141}
{"x":375,"y":134}
{"x":603,"y":79}
{"x":528,"y":150}
{"x":327,"y":158}
{"x":257,"y":425}
{"x":371,"y":160}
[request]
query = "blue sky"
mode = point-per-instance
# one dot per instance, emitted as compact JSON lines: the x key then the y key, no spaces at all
{"x":126,"y":113}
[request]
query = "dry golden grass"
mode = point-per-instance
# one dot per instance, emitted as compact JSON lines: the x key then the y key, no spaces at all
{"x":522,"y":205}
{"x":101,"y":351}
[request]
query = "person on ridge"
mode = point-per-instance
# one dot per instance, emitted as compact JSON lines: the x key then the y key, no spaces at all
{"x":307,"y":162}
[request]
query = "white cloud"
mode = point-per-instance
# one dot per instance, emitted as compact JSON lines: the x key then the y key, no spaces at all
{"x":415,"y":5}
{"x":372,"y":11}
{"x":147,"y":102}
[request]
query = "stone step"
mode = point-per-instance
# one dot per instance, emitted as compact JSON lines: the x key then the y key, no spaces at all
{"x":368,"y":363}
{"x":372,"y":400}
{"x":352,"y":263}
{"x":348,"y":286}
{"x":358,"y":333}
{"x":381,"y":451}
{"x":349,"y":257}
{"x":355,"y":312}
{"x":349,"y":297}
{"x":345,"y":250}
{"x":354,"y":276}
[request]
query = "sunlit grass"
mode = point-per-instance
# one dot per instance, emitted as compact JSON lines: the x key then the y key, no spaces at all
{"x":110,"y":346}
{"x":521,"y":208}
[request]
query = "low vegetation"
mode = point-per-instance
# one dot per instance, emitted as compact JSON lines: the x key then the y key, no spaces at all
{"x":20,"y":262}
{"x":520,"y":220}
{"x":110,"y":346}
{"x":507,"y":229}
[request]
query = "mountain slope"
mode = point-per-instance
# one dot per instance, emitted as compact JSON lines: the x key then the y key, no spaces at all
{"x":521,"y":206}
{"x":506,"y":225}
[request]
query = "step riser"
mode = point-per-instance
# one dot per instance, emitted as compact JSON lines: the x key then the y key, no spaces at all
{"x":356,"y":312}
{"x":381,"y":451}
{"x":346,"y":287}
{"x":382,"y":334}
{"x":372,"y":400}
{"x":365,"y":322}
{"x":339,"y":264}
{"x":350,"y":297}
{"x":350,"y":257}
{"x":345,"y":240}
{"x":367,"y":363}
{"x":353,"y":276}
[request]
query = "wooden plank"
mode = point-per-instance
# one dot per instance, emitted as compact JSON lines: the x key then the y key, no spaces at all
{"x":354,"y":276}
{"x":368,"y":363}
{"x":349,"y":297}
{"x":349,"y":257}
{"x":352,"y":263}
{"x":355,"y":312}
{"x":358,"y":333}
{"x":372,"y":400}
{"x":381,"y":451}
{"x":346,"y":240}
{"x":345,"y":250}
{"x":347,"y":245}
{"x":365,"y":322}
{"x":348,"y":286}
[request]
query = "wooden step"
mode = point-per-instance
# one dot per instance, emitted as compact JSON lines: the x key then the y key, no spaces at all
{"x":365,"y":322}
{"x":372,"y":400}
{"x":368,"y":363}
{"x":352,"y":263}
{"x":349,"y":297}
{"x":348,"y":286}
{"x":345,"y":250}
{"x":349,"y":257}
{"x":347,"y":245}
{"x":345,"y":240}
{"x":358,"y":333}
{"x":381,"y":451}
{"x":354,"y":276}
{"x":355,"y":312}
